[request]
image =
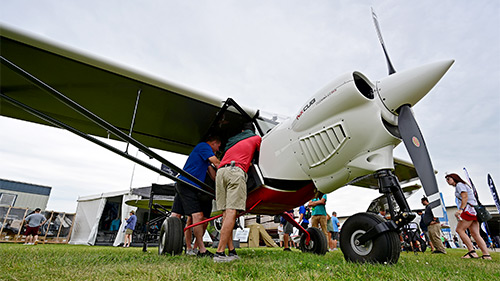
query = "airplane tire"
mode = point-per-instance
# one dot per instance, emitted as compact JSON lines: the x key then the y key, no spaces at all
{"x":384,"y":249}
{"x":318,"y":243}
{"x":171,"y":237}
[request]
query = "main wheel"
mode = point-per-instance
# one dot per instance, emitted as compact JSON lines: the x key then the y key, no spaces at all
{"x":384,"y":248}
{"x":171,"y":237}
{"x":317,"y":244}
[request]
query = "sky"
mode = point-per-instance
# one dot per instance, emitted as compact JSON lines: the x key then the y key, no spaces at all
{"x":272,"y":56}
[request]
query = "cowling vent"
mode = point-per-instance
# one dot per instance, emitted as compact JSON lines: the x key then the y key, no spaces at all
{"x":320,"y":146}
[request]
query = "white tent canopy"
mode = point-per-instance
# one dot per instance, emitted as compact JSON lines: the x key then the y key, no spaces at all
{"x":88,"y":215}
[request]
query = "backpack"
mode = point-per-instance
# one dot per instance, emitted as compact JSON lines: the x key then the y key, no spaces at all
{"x":307,"y":215}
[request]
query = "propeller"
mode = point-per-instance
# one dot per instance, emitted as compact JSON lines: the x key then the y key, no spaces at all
{"x":410,"y":132}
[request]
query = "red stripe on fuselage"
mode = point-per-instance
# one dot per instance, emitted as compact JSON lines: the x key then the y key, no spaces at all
{"x":275,"y":202}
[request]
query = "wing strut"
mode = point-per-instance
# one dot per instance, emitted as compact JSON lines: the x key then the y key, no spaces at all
{"x":133,"y":117}
{"x":100,"y":122}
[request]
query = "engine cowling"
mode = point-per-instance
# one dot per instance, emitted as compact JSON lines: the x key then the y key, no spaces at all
{"x":326,"y":138}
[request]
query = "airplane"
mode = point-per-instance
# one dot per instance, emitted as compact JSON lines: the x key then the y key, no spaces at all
{"x":343,"y":134}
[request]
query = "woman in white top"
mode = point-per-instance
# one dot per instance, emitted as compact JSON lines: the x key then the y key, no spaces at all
{"x":466,"y":216}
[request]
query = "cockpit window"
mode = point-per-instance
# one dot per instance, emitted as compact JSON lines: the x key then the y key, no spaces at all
{"x":267,"y":121}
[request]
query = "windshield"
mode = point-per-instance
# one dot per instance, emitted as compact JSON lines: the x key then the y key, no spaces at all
{"x":268,"y":121}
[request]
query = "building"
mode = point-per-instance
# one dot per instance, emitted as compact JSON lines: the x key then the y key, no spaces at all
{"x":18,"y":200}
{"x":23,"y":195}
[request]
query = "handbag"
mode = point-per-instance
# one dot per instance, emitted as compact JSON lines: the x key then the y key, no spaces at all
{"x":482,"y":213}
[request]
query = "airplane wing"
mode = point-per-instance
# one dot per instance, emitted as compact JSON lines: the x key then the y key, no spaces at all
{"x":168,"y":116}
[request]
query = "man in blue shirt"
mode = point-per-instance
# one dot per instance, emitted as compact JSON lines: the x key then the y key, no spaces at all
{"x":192,"y":203}
{"x":303,"y":219}
{"x":336,"y":224}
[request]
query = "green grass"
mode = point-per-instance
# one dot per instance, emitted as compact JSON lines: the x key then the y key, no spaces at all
{"x":69,"y":262}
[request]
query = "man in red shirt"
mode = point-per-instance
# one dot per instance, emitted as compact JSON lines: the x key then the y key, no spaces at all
{"x":231,"y":188}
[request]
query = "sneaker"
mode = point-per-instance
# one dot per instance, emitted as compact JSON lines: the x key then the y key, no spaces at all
{"x":438,"y":252}
{"x":233,"y":255}
{"x":192,"y":252}
{"x":221,"y":257}
{"x":287,"y":250}
{"x":205,"y":254}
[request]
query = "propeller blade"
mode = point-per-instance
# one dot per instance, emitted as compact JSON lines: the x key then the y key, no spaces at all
{"x":415,"y":144}
{"x":379,"y":33}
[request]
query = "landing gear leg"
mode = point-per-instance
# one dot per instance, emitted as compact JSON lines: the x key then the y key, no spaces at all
{"x":367,"y":237}
{"x":389,"y":184}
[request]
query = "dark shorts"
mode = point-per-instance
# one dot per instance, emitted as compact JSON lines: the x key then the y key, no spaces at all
{"x":31,"y":230}
{"x":288,"y":229}
{"x":335,"y":235}
{"x":190,"y":201}
{"x":305,"y":225}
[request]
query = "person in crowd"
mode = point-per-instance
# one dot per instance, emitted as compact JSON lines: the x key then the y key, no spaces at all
{"x":329,"y":229}
{"x":189,"y":202}
{"x":287,"y":232}
{"x":281,"y":234}
{"x":34,"y":222}
{"x":466,"y":216}
{"x":384,"y":214}
{"x":336,"y":230}
{"x":231,"y":187}
{"x":304,"y":216}
{"x":424,"y":229}
{"x":318,"y":218}
{"x":115,"y":224}
{"x":129,"y":228}
{"x":434,"y":227}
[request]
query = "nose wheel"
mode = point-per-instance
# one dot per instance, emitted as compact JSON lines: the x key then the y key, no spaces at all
{"x":384,"y":248}
{"x":171,"y":237}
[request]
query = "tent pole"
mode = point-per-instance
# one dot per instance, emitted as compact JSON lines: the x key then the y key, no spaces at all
{"x":150,"y":205}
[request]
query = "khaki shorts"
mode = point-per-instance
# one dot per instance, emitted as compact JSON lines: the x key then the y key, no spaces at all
{"x":128,"y":231}
{"x":231,"y":188}
{"x":320,"y":221}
